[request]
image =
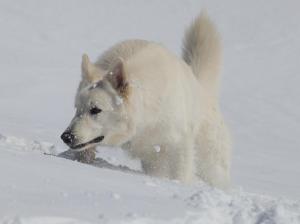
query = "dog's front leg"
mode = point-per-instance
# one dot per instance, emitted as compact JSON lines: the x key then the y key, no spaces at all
{"x":86,"y":156}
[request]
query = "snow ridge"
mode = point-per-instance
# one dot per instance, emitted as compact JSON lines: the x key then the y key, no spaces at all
{"x":22,"y":144}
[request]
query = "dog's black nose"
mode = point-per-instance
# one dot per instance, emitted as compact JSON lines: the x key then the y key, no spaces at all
{"x":67,"y":137}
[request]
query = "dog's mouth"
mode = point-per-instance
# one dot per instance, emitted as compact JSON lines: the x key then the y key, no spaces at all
{"x":93,"y":141}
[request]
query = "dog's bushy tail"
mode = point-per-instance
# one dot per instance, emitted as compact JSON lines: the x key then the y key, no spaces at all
{"x":203,"y":52}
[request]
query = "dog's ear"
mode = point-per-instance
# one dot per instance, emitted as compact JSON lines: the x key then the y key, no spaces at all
{"x":118,"y":79}
{"x":90,"y":72}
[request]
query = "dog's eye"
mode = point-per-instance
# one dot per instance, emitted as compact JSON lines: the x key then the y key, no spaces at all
{"x":95,"y":110}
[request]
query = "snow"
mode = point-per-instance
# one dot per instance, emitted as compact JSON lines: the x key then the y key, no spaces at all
{"x":119,"y":100}
{"x":41,"y":47}
{"x":46,"y":188}
{"x":22,"y":144}
{"x":156,"y":148}
{"x":42,"y":220}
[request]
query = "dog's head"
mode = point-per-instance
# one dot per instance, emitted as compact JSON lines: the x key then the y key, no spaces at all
{"x":102,"y":108}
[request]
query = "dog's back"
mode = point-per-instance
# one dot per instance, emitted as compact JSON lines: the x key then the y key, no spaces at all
{"x":123,"y":50}
{"x":201,"y":51}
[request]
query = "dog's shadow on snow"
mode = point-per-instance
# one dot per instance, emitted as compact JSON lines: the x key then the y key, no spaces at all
{"x":98,"y":162}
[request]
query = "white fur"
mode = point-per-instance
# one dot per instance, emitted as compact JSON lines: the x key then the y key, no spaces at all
{"x":173,"y":104}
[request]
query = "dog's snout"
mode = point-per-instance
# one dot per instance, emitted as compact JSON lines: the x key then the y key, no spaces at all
{"x":68,"y":137}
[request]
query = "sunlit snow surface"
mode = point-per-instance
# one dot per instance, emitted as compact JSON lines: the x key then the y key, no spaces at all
{"x":41,"y":47}
{"x":35,"y":185}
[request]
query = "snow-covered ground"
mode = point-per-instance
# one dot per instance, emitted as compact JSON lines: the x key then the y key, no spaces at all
{"x":40,"y":52}
{"x":44,"y":189}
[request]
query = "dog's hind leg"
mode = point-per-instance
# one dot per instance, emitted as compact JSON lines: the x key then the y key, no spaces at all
{"x":213,"y":153}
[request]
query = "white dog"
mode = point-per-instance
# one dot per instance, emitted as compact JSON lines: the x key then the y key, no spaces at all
{"x":162,"y":109}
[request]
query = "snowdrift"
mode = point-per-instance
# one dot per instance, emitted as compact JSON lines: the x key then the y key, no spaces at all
{"x":38,"y":188}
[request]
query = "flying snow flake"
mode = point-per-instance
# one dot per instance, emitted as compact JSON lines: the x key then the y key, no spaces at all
{"x":110,"y":73}
{"x":119,"y":100}
{"x":64,"y":194}
{"x":115,"y":196}
{"x":156,"y":148}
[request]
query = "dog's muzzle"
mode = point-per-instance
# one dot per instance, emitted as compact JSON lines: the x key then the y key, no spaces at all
{"x":69,"y":139}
